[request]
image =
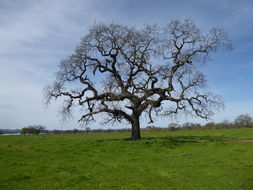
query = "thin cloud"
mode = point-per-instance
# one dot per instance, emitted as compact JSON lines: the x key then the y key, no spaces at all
{"x":36,"y":35}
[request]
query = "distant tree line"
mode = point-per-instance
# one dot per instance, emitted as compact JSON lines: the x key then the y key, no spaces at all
{"x":9,"y":131}
{"x":241,"y":121}
{"x":88,"y":130}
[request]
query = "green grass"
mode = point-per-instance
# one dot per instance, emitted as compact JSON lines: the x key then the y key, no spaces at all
{"x":107,"y":161}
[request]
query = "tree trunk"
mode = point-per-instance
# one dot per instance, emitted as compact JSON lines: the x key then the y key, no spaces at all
{"x":135,"y":133}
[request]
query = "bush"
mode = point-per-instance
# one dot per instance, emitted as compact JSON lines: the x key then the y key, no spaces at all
{"x":32,"y":130}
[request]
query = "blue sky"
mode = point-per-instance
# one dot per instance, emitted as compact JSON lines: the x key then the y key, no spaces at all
{"x":36,"y":34}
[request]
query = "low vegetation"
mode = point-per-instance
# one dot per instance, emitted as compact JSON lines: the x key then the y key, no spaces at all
{"x":32,"y":130}
{"x":197,"y":159}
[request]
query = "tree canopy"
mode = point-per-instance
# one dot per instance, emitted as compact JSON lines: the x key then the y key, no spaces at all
{"x":126,"y":71}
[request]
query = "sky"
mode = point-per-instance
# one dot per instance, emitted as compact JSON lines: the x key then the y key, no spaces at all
{"x":35,"y":35}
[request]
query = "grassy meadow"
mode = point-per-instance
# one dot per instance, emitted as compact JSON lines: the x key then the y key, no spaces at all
{"x":181,"y":160}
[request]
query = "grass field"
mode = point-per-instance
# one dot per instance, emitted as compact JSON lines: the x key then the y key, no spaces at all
{"x":183,"y":160}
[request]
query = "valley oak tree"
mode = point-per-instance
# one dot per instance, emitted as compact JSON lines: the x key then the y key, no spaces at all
{"x":126,"y":72}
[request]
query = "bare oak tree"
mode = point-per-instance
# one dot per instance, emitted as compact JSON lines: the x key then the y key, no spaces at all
{"x":243,"y":120}
{"x":124,"y":71}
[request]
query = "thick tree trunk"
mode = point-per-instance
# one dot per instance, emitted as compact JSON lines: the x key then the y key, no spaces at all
{"x":135,"y":134}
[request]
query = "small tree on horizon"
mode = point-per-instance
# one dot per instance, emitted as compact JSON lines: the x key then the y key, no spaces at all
{"x":244,"y":120}
{"x":33,"y":129}
{"x":125,"y":72}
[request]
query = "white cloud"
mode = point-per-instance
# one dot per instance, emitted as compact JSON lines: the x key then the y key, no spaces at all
{"x":36,"y":35}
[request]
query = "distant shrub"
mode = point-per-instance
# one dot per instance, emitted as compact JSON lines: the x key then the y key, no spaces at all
{"x":32,"y":130}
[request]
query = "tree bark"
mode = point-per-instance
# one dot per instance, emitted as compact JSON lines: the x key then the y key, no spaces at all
{"x":135,"y":133}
